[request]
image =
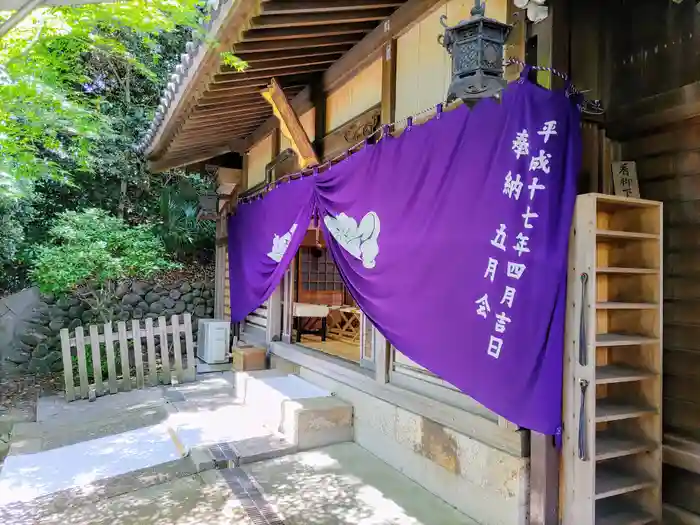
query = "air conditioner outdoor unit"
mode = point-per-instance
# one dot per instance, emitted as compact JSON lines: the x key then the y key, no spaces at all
{"x":213,"y":341}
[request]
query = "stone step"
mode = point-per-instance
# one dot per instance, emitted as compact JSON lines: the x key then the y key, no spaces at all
{"x":87,"y":472}
{"x":30,"y":438}
{"x":342,"y":484}
{"x":306,"y":415}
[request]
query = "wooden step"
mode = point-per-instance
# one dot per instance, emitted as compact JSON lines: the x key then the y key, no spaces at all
{"x":613,"y":482}
{"x":620,"y":511}
{"x":624,"y":235}
{"x":608,"y":374}
{"x":608,"y":340}
{"x":606,"y":410}
{"x":616,"y":305}
{"x":627,"y":271}
{"x":609,"y":445}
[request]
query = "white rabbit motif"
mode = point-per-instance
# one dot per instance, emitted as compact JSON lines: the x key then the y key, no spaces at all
{"x":280,"y":244}
{"x":359,"y":241}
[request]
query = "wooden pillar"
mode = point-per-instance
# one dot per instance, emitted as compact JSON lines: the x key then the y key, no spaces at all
{"x":389,"y":82}
{"x":544,"y":480}
{"x":318,"y":99}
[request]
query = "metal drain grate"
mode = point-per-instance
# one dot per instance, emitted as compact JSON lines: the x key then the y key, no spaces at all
{"x":254,"y":503}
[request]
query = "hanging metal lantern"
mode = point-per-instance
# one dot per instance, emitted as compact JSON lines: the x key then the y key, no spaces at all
{"x":476,"y":46}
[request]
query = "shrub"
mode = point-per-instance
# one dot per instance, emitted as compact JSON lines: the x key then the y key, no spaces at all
{"x":92,"y":248}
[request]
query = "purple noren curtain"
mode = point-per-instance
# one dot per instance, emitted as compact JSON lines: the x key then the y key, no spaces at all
{"x":453,"y":239}
{"x":263,"y":237}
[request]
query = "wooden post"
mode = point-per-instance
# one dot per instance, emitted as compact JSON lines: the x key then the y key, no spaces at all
{"x":67,"y":365}
{"x":82,"y":362}
{"x":111,"y":365}
{"x":544,"y":480}
{"x":177,"y":351}
{"x":151,"y":349}
{"x":124,"y":354}
{"x":389,"y":82}
{"x":96,"y":359}
{"x":138,"y":356}
{"x":164,"y":353}
{"x":191,"y":370}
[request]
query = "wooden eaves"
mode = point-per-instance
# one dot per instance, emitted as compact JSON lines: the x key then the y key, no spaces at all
{"x":210,"y":109}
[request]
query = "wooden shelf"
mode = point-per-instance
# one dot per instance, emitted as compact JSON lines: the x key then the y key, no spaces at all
{"x":612,"y":482}
{"x":626,"y":306}
{"x":609,"y":445}
{"x":607,"y":410}
{"x":619,"y":511}
{"x":617,"y":270}
{"x":609,"y":340}
{"x":616,"y":411}
{"x":624,"y":235}
{"x":608,"y":374}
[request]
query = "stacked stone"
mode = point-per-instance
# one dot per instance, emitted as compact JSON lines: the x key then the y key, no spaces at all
{"x":38,"y":349}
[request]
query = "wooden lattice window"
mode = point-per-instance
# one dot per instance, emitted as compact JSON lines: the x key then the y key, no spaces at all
{"x":318,"y":272}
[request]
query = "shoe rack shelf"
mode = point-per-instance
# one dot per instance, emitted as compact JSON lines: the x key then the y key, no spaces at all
{"x":611,"y":457}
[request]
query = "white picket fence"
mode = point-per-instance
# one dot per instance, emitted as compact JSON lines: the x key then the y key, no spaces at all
{"x":168,"y":336}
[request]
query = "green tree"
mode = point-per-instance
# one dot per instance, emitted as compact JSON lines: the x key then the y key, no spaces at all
{"x":78,"y":87}
{"x":89,"y":252}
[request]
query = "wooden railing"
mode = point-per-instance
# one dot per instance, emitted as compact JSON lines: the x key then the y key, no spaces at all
{"x":93,"y":353}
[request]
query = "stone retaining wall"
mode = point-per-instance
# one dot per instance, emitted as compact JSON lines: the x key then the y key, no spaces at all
{"x":36,"y":349}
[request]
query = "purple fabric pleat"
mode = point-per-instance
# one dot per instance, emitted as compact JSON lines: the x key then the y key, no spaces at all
{"x":453,"y":239}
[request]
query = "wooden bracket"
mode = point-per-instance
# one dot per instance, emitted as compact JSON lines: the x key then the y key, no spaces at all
{"x":290,"y":126}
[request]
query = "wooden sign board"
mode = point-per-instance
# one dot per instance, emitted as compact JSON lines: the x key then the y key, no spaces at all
{"x":625,"y":182}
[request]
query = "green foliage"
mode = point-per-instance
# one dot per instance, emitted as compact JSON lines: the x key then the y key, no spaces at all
{"x":90,"y":368}
{"x":50,"y":102}
{"x":94,"y":248}
{"x":231,"y":60}
{"x":183,"y":234}
{"x":78,"y":87}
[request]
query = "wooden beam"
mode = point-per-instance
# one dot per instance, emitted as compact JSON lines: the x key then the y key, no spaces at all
{"x":244,"y":172}
{"x":225,"y":120}
{"x":228,"y":111}
{"x":245,"y":48}
{"x":252,"y":97}
{"x":370,"y":47}
{"x":228,"y":73}
{"x":560,"y":15}
{"x":290,"y":125}
{"x":287,"y":54}
{"x":205,"y":129}
{"x":388,"y":114}
{"x":319,"y":101}
{"x":279,"y":7}
{"x":231,"y":15}
{"x":228,"y":98}
{"x":232,"y":84}
{"x":516,"y":41}
{"x":267,"y":21}
{"x":360,"y":56}
{"x":281,"y":33}
{"x":301,"y":104}
{"x":158,"y":166}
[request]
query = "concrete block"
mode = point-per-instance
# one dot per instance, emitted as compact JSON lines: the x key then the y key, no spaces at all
{"x":316,"y":422}
{"x":240,"y":383}
{"x":281,"y":364}
{"x":249,"y":358}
